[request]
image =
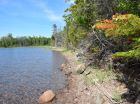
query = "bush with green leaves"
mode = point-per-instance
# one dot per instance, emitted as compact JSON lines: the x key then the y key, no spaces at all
{"x":125,"y":31}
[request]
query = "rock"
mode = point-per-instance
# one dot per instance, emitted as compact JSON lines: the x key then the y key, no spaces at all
{"x":81,"y":68}
{"x":62,"y":66}
{"x":79,"y":55}
{"x":46,"y":97}
{"x":68,"y":74}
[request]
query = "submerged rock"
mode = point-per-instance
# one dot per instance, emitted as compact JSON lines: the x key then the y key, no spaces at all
{"x":46,"y":97}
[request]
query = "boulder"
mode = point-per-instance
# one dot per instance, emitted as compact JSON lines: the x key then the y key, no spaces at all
{"x":46,"y":97}
{"x":81,"y":68}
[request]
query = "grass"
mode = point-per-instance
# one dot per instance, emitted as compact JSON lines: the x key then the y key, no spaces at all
{"x":93,"y":75}
{"x":41,"y":46}
{"x":116,"y":96}
{"x":98,"y":75}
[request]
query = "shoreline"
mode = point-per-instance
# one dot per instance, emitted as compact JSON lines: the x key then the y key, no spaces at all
{"x":78,"y":91}
{"x":37,"y":46}
{"x":86,"y":85}
{"x":67,"y":95}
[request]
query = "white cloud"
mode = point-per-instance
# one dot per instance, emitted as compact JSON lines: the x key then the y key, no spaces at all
{"x":50,"y":14}
{"x":70,"y":2}
{"x":40,"y":4}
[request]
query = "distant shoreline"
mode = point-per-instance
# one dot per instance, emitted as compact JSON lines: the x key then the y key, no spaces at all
{"x":40,"y":46}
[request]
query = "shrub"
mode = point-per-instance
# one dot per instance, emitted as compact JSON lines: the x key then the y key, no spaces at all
{"x":125,"y":29}
{"x":120,"y":25}
{"x":132,"y":54}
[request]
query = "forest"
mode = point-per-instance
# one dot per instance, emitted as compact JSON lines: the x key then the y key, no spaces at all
{"x":10,"y":41}
{"x":107,"y":34}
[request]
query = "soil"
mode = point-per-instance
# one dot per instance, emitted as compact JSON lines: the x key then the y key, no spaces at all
{"x":76,"y":90}
{"x":79,"y":92}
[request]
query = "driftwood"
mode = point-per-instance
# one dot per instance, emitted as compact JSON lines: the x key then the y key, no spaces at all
{"x":103,"y":91}
{"x":84,"y":69}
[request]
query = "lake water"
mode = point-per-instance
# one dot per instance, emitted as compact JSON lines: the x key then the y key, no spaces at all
{"x":27,"y":72}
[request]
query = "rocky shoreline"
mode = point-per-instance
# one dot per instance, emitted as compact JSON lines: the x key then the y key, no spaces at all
{"x":77,"y":91}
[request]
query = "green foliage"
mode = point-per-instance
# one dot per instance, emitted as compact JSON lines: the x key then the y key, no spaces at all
{"x":128,"y":6}
{"x":10,"y":41}
{"x":98,"y":75}
{"x":79,"y":20}
{"x":136,"y":43}
{"x":125,"y":31}
{"x":120,"y":25}
{"x":137,"y":40}
{"x":132,"y":54}
{"x":82,"y":15}
{"x":75,"y":36}
{"x":116,"y":96}
{"x":128,"y":24}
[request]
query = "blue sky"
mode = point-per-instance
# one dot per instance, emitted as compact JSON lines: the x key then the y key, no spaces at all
{"x":31,"y":17}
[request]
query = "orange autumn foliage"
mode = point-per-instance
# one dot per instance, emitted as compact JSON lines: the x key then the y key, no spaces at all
{"x":105,"y":24}
{"x":110,"y":24}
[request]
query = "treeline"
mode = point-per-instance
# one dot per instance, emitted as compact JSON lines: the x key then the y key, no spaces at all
{"x":10,"y":41}
{"x":81,"y":16}
{"x":105,"y":27}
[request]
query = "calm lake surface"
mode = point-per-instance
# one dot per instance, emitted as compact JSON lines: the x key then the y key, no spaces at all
{"x":27,"y":72}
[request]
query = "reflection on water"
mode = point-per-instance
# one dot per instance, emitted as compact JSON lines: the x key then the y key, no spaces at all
{"x":26,"y":72}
